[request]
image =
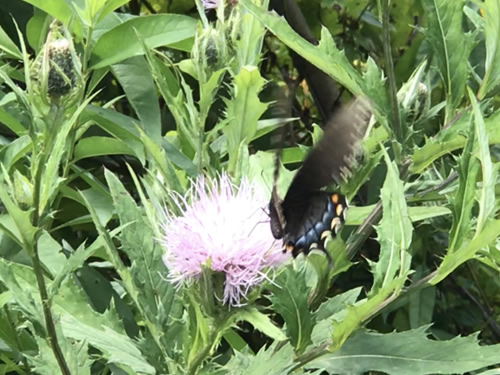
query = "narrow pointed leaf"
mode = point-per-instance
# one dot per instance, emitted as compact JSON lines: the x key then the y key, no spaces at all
{"x":463,"y":201}
{"x":489,"y":172}
{"x":394,"y":230}
{"x":451,"y":46}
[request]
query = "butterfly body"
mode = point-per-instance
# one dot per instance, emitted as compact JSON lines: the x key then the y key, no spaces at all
{"x":307,"y":216}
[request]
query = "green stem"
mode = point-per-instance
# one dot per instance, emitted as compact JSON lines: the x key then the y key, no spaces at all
{"x":391,"y":78}
{"x":38,"y":269}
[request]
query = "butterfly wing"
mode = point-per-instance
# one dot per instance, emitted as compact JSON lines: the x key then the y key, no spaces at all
{"x":334,"y":153}
{"x":307,"y":215}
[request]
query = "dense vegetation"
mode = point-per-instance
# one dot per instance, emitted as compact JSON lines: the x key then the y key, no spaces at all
{"x":140,"y":135}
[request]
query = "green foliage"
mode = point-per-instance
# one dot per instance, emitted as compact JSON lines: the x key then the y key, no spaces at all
{"x":110,"y":109}
{"x":290,"y":301}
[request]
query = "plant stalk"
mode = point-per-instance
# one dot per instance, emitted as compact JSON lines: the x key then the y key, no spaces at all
{"x":391,"y":78}
{"x":37,"y":267}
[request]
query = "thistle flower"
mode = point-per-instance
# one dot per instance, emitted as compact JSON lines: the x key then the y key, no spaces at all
{"x":223,"y":228}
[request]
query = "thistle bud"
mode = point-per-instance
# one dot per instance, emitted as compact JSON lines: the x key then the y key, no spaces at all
{"x":209,"y":52}
{"x":61,"y":71}
{"x":57,"y":69}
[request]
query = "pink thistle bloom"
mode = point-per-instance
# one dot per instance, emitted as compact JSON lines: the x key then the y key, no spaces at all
{"x":209,"y":4}
{"x":222,"y":227}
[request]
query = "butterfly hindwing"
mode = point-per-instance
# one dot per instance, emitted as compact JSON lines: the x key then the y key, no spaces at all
{"x":310,"y":221}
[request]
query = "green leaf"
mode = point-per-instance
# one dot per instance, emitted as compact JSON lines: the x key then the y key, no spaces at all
{"x":248,"y":45}
{"x":491,"y":78}
{"x":289,"y":299}
{"x":409,"y":353}
{"x":24,"y":290}
{"x":11,"y":122}
{"x":421,"y":301}
{"x":488,"y":171}
{"x":243,"y":111}
{"x":163,"y":163}
{"x":50,"y":253}
{"x":451,"y":47}
{"x":452,"y":138}
{"x":26,"y":232}
{"x":14,"y":151}
{"x":148,"y":272}
{"x":121,"y":42}
{"x":137,"y":83}
{"x":394,"y":231}
{"x":100,"y":146}
{"x":356,"y":215}
{"x":58,"y":9}
{"x":325,"y":56}
{"x":8,"y":46}
{"x":361,"y":312}
{"x":261,"y":322}
{"x":118,"y":125}
{"x":76,"y":354}
{"x":267,"y":361}
{"x":451,"y":261}
{"x":332,"y":310}
{"x":463,"y":201}
{"x":51,"y":181}
{"x":118,"y":348}
{"x":95,"y":10}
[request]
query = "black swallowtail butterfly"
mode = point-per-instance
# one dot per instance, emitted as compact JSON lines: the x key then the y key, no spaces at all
{"x":307,"y":215}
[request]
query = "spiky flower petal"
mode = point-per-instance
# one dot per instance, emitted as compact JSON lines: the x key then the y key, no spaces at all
{"x":224,"y":228}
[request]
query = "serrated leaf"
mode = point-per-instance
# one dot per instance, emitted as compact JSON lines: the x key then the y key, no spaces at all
{"x":23,"y":232}
{"x":451,"y":47}
{"x":451,"y":139}
{"x":266,"y":361}
{"x":463,"y":201}
{"x":289,"y":299}
{"x":75,"y":353}
{"x":261,"y":322}
{"x":118,"y":348}
{"x":355,"y":315}
{"x":492,"y":42}
{"x":488,"y":236}
{"x":334,"y":309}
{"x":243,"y":111}
{"x":325,"y":56}
{"x":489,"y":172}
{"x":374,"y":87}
{"x":147,"y":270}
{"x":394,"y":231}
{"x":23,"y":290}
{"x":409,"y":353}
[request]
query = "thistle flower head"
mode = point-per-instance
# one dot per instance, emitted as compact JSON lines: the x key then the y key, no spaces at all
{"x":221,"y":227}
